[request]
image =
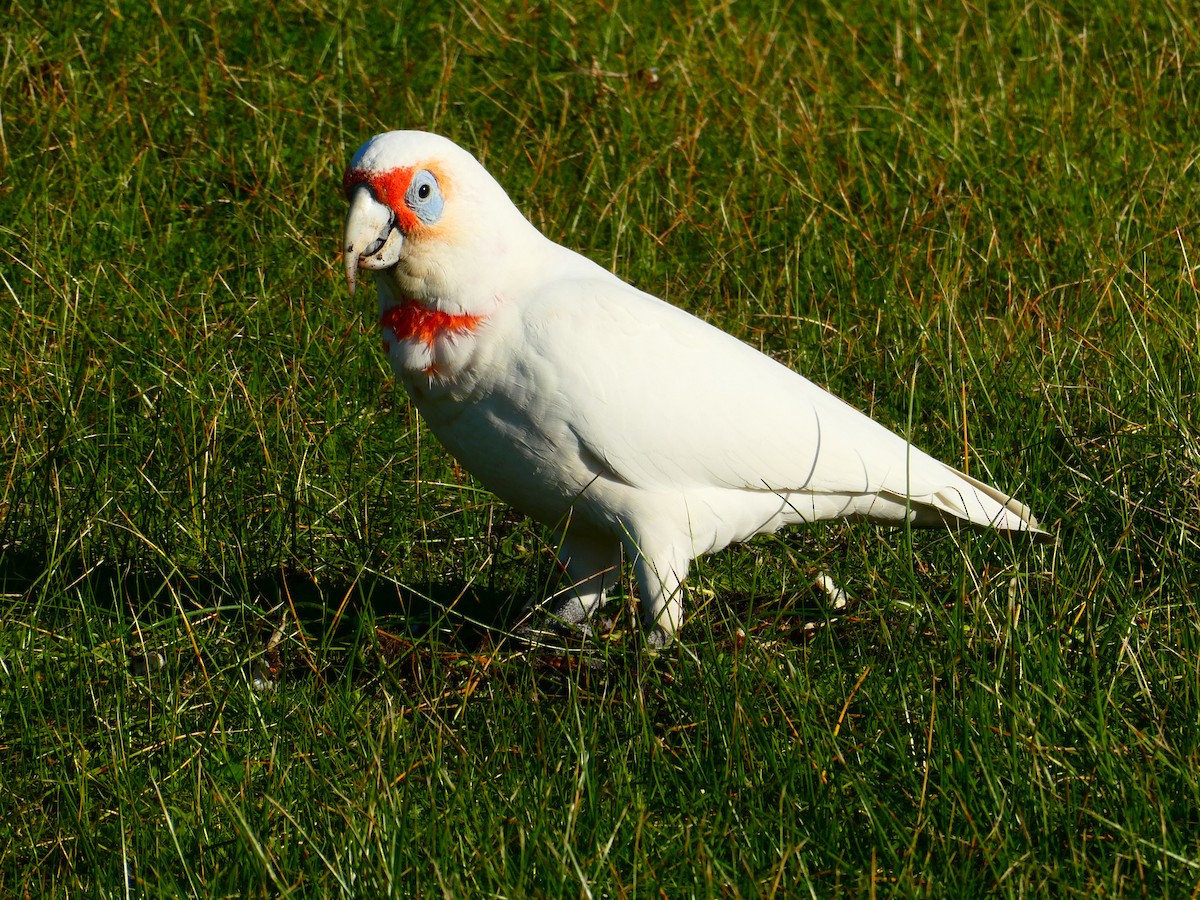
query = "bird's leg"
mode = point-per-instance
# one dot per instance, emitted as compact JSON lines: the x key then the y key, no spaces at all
{"x":660,"y":579}
{"x":591,"y":566}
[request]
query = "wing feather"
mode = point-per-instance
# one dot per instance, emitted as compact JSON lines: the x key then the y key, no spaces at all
{"x":665,"y":400}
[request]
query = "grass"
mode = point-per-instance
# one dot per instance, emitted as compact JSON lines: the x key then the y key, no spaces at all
{"x":978,"y":224}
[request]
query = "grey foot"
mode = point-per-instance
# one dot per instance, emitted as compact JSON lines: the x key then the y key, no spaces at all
{"x":658,"y":638}
{"x":541,"y":629}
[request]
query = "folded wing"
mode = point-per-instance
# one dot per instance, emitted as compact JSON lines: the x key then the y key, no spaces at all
{"x":667,"y":401}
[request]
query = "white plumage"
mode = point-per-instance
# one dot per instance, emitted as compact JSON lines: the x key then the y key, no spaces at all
{"x":622,"y":421}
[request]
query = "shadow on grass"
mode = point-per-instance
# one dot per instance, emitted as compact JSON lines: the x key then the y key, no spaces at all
{"x":329,"y":611}
{"x":293,"y":626}
{"x":434,"y":640}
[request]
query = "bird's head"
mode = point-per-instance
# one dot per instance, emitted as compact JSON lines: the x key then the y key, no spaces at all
{"x":426,"y":211}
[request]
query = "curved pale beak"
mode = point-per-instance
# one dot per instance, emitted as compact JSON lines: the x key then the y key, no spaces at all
{"x":371,"y":239}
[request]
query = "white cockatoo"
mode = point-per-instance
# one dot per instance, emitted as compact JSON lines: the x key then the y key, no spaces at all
{"x":625,"y":423}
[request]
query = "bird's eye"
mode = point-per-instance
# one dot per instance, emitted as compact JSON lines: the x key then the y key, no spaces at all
{"x":424,"y":197}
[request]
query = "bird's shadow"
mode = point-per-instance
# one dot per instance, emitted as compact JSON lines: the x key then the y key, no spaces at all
{"x":337,"y":620}
{"x":291,"y":624}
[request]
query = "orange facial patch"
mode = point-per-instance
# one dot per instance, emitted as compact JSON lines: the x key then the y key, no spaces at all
{"x":389,"y":188}
{"x":412,"y":320}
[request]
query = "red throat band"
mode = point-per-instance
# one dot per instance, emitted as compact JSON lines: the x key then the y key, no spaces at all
{"x":412,"y":320}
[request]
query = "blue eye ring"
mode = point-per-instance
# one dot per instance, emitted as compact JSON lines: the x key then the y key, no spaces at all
{"x":424,"y":197}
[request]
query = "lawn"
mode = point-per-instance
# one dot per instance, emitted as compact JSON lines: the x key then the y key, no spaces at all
{"x":252,"y":628}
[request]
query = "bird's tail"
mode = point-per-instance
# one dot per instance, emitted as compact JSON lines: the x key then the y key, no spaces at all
{"x":971,"y":500}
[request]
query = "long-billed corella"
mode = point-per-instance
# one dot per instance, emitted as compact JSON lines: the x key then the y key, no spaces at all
{"x":626,"y":424}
